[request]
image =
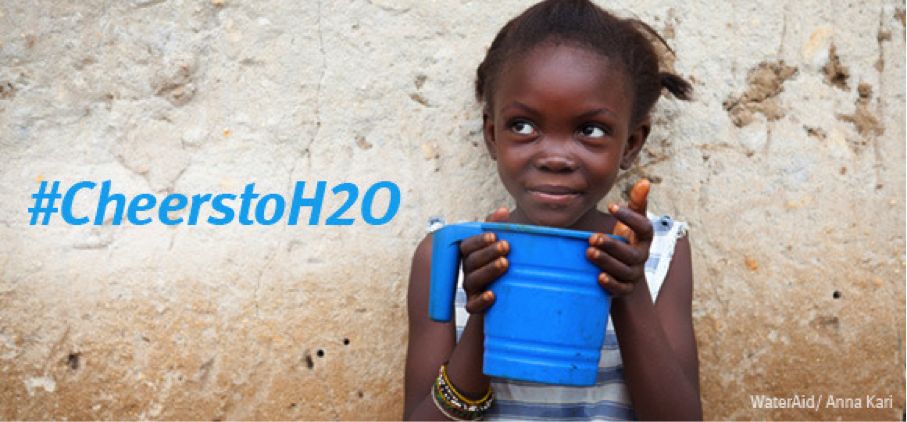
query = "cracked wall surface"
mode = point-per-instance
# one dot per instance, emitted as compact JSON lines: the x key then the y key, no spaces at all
{"x":789,"y":166}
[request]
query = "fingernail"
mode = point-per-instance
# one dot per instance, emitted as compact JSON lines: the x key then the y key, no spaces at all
{"x":594,"y":253}
{"x":487,"y":295}
{"x":502,"y":247}
{"x":488,"y":237}
{"x":501,"y":263}
{"x":603,"y":278}
{"x":613,"y":208}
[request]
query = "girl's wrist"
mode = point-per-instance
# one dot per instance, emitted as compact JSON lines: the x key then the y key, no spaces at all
{"x":459,"y":405}
{"x":465,"y":364}
{"x":469,"y":380}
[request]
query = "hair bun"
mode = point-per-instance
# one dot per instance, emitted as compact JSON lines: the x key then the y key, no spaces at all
{"x":676,"y":85}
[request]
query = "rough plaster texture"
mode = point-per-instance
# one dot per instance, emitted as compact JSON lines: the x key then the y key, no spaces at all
{"x":789,"y":166}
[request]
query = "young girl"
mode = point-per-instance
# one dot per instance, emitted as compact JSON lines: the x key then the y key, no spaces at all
{"x":567,"y":89}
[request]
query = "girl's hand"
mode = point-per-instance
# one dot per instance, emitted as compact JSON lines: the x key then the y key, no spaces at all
{"x":623,"y":264}
{"x":483,"y":262}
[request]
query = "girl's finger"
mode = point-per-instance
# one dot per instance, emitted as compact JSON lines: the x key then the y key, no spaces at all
{"x":474,"y":243}
{"x":483,"y":256}
{"x":629,"y":255}
{"x":639,"y":196}
{"x":479,"y":303}
{"x":499,"y":215}
{"x":477,"y":280}
{"x":617,"y":269}
{"x":638,"y":204}
{"x":614,"y":287}
{"x":635,"y":226}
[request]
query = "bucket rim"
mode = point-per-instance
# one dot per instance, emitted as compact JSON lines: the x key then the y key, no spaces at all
{"x":542,"y":230}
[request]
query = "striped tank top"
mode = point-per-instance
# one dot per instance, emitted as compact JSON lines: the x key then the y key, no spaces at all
{"x":608,"y":398}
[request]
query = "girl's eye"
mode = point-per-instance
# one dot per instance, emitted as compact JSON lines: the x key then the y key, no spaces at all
{"x":523,"y":128}
{"x":592,"y":131}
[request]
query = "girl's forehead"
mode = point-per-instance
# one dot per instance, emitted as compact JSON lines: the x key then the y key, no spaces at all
{"x":552,"y":61}
{"x":548,"y":53}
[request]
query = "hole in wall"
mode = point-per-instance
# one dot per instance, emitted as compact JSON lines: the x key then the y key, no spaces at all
{"x":346,"y":342}
{"x":309,"y":363}
{"x":320,"y":353}
{"x":73,"y":360}
{"x":360,"y":394}
{"x":836,"y":295}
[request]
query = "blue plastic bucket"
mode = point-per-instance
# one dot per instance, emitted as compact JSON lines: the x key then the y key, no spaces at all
{"x":548,"y":322}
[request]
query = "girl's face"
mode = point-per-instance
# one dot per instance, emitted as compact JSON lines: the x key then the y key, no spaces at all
{"x":560,"y":131}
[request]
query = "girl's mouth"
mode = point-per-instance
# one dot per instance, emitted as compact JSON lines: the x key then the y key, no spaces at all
{"x":554,"y":194}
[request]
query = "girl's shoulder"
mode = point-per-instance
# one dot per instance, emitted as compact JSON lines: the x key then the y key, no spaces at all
{"x":422,"y":255}
{"x":666,"y":232}
{"x":665,"y":226}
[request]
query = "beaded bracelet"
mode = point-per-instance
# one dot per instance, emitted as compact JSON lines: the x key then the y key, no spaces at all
{"x":455,"y":405}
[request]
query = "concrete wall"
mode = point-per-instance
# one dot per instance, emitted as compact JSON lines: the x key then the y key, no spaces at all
{"x":789,"y":167}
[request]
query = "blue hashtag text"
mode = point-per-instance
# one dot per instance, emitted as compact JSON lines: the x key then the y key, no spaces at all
{"x":268,"y":210}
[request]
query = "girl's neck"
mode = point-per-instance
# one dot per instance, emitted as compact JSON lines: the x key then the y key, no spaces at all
{"x":592,"y":221}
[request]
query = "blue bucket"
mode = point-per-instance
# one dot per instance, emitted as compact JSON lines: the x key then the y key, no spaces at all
{"x":548,"y":322}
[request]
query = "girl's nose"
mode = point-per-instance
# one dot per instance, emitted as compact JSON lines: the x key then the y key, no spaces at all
{"x":556,"y":162}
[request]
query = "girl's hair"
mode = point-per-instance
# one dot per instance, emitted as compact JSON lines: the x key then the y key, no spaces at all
{"x":628,"y":43}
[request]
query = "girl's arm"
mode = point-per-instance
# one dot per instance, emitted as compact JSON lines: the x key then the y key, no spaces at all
{"x":432,"y":343}
{"x":658,"y":346}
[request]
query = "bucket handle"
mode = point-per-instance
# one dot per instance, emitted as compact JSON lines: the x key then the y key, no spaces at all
{"x":445,"y":266}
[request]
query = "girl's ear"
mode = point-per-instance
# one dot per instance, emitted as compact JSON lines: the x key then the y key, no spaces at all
{"x":488,"y":134}
{"x":634,"y":143}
